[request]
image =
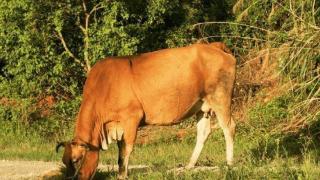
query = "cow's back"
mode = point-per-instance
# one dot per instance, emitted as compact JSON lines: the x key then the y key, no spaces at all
{"x":169,"y":82}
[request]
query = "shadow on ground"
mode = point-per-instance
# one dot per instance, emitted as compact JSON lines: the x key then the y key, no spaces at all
{"x":103,"y":172}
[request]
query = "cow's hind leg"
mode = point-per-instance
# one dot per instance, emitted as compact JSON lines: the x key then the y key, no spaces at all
{"x":203,"y":131}
{"x":220,"y":103}
{"x":228,"y":126}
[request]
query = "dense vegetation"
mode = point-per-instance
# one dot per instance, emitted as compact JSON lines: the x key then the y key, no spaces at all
{"x":47,"y":48}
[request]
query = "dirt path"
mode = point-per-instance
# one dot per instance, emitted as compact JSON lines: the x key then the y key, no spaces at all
{"x":14,"y":170}
{"x":10,"y":170}
{"x":40,"y":170}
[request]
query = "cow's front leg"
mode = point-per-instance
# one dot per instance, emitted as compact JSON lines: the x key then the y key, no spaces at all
{"x":123,"y":161}
{"x":130,"y":127}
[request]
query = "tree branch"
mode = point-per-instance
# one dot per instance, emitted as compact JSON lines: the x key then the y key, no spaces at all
{"x":85,"y":30}
{"x":96,"y":8}
{"x":86,"y":35}
{"x":69,"y":52}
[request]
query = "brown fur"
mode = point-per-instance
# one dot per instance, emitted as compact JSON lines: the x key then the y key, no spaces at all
{"x":221,"y":45}
{"x":157,"y":88}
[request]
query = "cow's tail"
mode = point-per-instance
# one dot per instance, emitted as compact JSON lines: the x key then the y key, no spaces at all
{"x":221,"y":46}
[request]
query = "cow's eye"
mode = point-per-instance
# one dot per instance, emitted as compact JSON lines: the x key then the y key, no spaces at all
{"x":70,"y":163}
{"x":83,"y":145}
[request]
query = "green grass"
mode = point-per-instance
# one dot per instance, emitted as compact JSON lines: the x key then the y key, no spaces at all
{"x":257,"y":155}
{"x":27,"y":148}
{"x":262,"y":151}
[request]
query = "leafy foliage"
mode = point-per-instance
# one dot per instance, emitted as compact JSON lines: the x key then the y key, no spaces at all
{"x":292,"y":28}
{"x":48,"y":47}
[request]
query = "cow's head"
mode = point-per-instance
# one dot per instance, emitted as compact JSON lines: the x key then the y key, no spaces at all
{"x":80,"y":159}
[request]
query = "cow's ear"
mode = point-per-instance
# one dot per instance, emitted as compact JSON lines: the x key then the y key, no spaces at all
{"x":67,"y":161}
{"x":67,"y":154}
{"x":59,"y":144}
{"x":85,"y":146}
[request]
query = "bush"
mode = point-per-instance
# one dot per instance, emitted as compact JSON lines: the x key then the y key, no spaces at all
{"x":48,"y":48}
{"x":285,"y":33}
{"x":24,"y":119}
{"x":270,"y":114}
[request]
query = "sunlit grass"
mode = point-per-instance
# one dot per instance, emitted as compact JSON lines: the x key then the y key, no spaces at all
{"x":257,"y":155}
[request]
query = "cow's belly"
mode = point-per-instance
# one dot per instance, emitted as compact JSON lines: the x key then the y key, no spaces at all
{"x":193,"y":110}
{"x":164,"y":119}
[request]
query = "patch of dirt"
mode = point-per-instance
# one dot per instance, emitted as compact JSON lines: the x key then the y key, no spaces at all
{"x":40,"y":170}
{"x":12,"y":170}
{"x":195,"y":169}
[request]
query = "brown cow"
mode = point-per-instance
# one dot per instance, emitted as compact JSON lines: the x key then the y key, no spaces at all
{"x":159,"y":88}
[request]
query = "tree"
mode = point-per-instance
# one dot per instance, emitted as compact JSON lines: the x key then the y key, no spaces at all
{"x":48,"y":47}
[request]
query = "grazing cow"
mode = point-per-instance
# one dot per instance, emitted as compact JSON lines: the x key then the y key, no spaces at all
{"x":158,"y":88}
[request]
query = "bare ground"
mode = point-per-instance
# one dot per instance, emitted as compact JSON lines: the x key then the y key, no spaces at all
{"x":40,"y":170}
{"x":27,"y":169}
{"x":14,"y":170}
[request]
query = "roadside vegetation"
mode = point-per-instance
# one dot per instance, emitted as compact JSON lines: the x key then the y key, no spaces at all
{"x":48,"y":50}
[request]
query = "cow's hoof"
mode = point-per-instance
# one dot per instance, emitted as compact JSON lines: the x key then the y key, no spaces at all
{"x":122,"y":177}
{"x":179,"y":170}
{"x":230,"y":163}
{"x":189,"y":166}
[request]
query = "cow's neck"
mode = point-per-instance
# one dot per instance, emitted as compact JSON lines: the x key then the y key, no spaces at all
{"x":88,"y":126}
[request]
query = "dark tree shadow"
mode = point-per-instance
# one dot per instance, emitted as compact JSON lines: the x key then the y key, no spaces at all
{"x":105,"y":175}
{"x":102,"y":173}
{"x":112,"y":174}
